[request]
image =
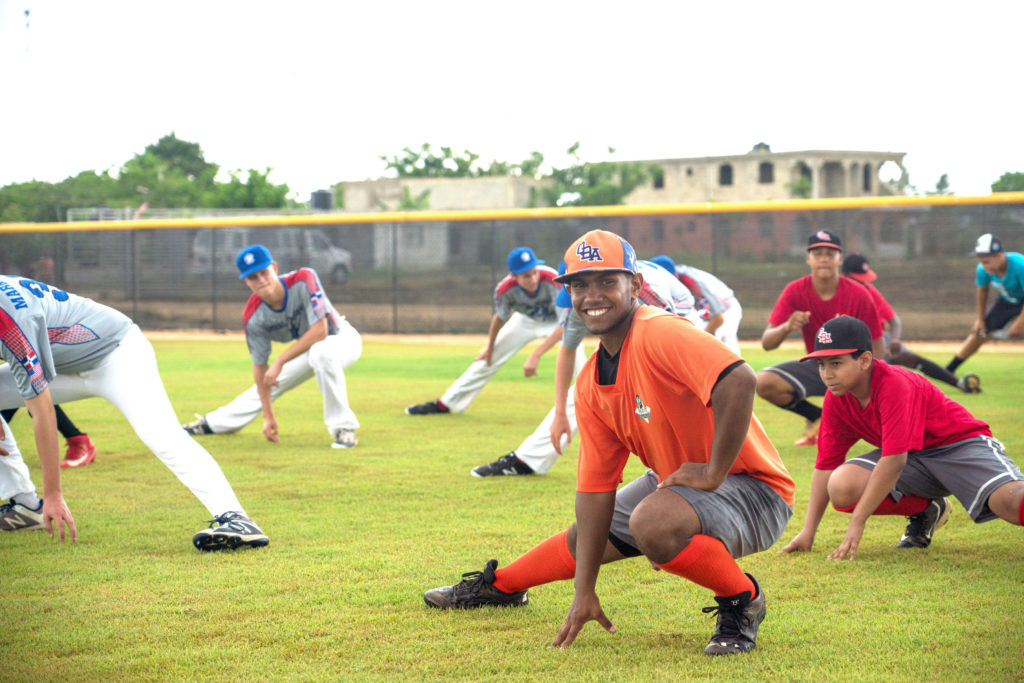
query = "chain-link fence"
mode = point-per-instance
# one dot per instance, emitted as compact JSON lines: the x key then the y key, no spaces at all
{"x":398,"y":273}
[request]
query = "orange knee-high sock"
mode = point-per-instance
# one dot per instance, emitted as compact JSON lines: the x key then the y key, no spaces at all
{"x":548,"y":561}
{"x":907,"y":505}
{"x":707,"y":563}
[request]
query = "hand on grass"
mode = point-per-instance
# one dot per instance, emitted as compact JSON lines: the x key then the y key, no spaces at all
{"x":849,"y":544}
{"x":584,"y":608}
{"x":802,"y":542}
{"x":56,"y":514}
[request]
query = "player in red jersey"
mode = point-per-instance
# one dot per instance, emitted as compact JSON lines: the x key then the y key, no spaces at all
{"x":805,"y":305}
{"x":657,"y":387}
{"x":857,"y":267}
{"x":927,"y":447}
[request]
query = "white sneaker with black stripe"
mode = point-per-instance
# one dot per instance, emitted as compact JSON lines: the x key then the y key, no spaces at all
{"x":233,"y":530}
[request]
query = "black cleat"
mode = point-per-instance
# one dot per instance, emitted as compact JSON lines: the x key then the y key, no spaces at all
{"x":429,"y":408}
{"x":738,"y":619}
{"x":506,"y":465}
{"x":969,"y":384}
{"x":233,"y":530}
{"x":475,"y":590}
{"x":923,"y":524}
{"x":198,"y":426}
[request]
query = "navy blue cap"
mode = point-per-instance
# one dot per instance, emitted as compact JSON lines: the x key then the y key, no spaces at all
{"x":522,"y":259}
{"x":253,"y":259}
{"x":840,"y":335}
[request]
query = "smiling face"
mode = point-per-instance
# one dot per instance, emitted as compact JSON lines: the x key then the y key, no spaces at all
{"x":824,"y":262}
{"x":528,"y":280}
{"x":605,"y":301}
{"x":994,"y":264}
{"x":846,"y":374}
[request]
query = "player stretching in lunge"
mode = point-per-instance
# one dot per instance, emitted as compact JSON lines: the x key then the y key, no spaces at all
{"x":805,"y":304}
{"x":541,"y":449}
{"x":60,"y":347}
{"x":657,"y":387}
{"x":927,"y":446}
{"x":1003,"y":271}
{"x":524,"y":310}
{"x":719,"y":311}
{"x":856,"y":266}
{"x":291,"y":307}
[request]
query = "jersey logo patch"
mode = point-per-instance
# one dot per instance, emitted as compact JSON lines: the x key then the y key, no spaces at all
{"x":588,"y":253}
{"x":642,"y":411}
{"x":824,"y":337}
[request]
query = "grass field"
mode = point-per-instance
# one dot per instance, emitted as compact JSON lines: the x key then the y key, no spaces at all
{"x":357,"y":536}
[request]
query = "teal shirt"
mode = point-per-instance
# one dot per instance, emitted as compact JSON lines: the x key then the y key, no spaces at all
{"x":1011,"y":285}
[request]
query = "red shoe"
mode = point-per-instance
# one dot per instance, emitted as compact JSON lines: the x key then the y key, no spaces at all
{"x":810,"y":437}
{"x":80,"y":452}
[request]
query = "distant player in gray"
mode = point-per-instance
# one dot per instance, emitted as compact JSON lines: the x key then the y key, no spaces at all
{"x":541,"y":449}
{"x":289,"y":308}
{"x":719,"y":310}
{"x":524,"y":310}
{"x":60,"y":347}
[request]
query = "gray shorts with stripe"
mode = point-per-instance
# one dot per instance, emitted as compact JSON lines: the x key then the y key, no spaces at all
{"x":969,"y":470}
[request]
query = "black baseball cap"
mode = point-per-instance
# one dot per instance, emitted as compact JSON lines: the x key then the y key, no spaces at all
{"x":988,"y":244}
{"x":824,"y":238}
{"x":843,"y":334}
{"x":856,"y":266}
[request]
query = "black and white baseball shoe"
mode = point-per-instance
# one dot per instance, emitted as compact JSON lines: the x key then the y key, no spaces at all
{"x":969,"y":384}
{"x":738,"y":619}
{"x":18,"y":517}
{"x":428,"y":408}
{"x":506,"y":465}
{"x":229,"y":531}
{"x":345,"y":438}
{"x":923,"y":524}
{"x":198,"y":426}
{"x":475,"y":590}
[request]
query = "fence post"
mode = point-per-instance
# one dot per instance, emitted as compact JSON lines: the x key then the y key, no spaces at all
{"x":394,"y":278}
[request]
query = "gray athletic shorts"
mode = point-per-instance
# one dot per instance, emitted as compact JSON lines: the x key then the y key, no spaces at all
{"x":803,"y":376}
{"x":970,"y":470}
{"x":744,"y":513}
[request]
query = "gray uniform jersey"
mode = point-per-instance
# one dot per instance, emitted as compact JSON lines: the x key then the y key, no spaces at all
{"x":305,"y":302}
{"x":715,"y":296}
{"x":47,"y":331}
{"x":660,"y":289}
{"x":510,"y":298}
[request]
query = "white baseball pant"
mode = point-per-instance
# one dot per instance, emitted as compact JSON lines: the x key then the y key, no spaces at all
{"x":326,"y":360}
{"x":536,"y":450}
{"x":728,"y":331}
{"x":127,"y":378}
{"x":519,"y":331}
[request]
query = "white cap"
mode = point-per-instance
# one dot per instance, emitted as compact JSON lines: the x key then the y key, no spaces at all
{"x":987,"y":244}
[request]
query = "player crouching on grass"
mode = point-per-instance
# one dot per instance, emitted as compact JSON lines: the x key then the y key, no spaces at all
{"x":928,"y":446}
{"x":657,"y":386}
{"x":291,"y":307}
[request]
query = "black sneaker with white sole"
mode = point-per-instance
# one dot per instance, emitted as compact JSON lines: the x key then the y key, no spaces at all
{"x":198,"y":426}
{"x":475,"y":590}
{"x":738,"y":619}
{"x":506,"y":465}
{"x":18,"y":517}
{"x":233,"y":530}
{"x":428,"y":408}
{"x":923,"y":524}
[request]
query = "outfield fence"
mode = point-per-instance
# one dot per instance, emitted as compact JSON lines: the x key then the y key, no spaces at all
{"x":434,"y":272}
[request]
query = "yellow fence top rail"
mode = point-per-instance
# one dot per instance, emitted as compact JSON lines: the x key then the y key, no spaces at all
{"x":836,"y":203}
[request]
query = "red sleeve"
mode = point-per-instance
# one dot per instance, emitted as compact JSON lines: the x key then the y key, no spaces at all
{"x":885,"y":311}
{"x":834,"y":438}
{"x":786,"y":304}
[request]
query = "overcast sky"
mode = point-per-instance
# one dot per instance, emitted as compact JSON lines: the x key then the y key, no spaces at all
{"x":319,"y":91}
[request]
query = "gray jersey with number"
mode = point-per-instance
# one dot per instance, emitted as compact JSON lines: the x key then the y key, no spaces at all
{"x":47,"y":331}
{"x":510,"y":298}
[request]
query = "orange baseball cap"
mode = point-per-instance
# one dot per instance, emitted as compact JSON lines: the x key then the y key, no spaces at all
{"x":598,"y":250}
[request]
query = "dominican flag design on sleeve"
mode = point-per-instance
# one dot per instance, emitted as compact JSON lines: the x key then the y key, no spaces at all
{"x":76,"y":334}
{"x":22,"y":350}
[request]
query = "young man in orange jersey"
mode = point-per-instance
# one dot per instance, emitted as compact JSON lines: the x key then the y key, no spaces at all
{"x":656,"y":387}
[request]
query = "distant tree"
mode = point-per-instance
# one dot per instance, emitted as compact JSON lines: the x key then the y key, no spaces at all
{"x":604,"y":183}
{"x":1009,"y":182}
{"x":256,"y":192}
{"x":420,"y":202}
{"x":942,"y":186}
{"x":425,"y":163}
{"x":800,"y":188}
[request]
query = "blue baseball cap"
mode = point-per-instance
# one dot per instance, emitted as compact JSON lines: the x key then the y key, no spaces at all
{"x":665,"y":262}
{"x":253,"y":259}
{"x":564,"y":299}
{"x":522,"y":259}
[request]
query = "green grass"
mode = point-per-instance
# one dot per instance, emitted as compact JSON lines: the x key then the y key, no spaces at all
{"x":357,"y":536}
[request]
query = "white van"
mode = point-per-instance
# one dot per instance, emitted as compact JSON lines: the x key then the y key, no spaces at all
{"x":291,"y":247}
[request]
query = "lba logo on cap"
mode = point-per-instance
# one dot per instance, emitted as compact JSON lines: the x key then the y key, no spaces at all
{"x":588,"y":253}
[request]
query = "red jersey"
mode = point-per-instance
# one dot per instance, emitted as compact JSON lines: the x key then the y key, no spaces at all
{"x":660,"y":408}
{"x":850,"y":299}
{"x":905,"y":414}
{"x":885,"y":311}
